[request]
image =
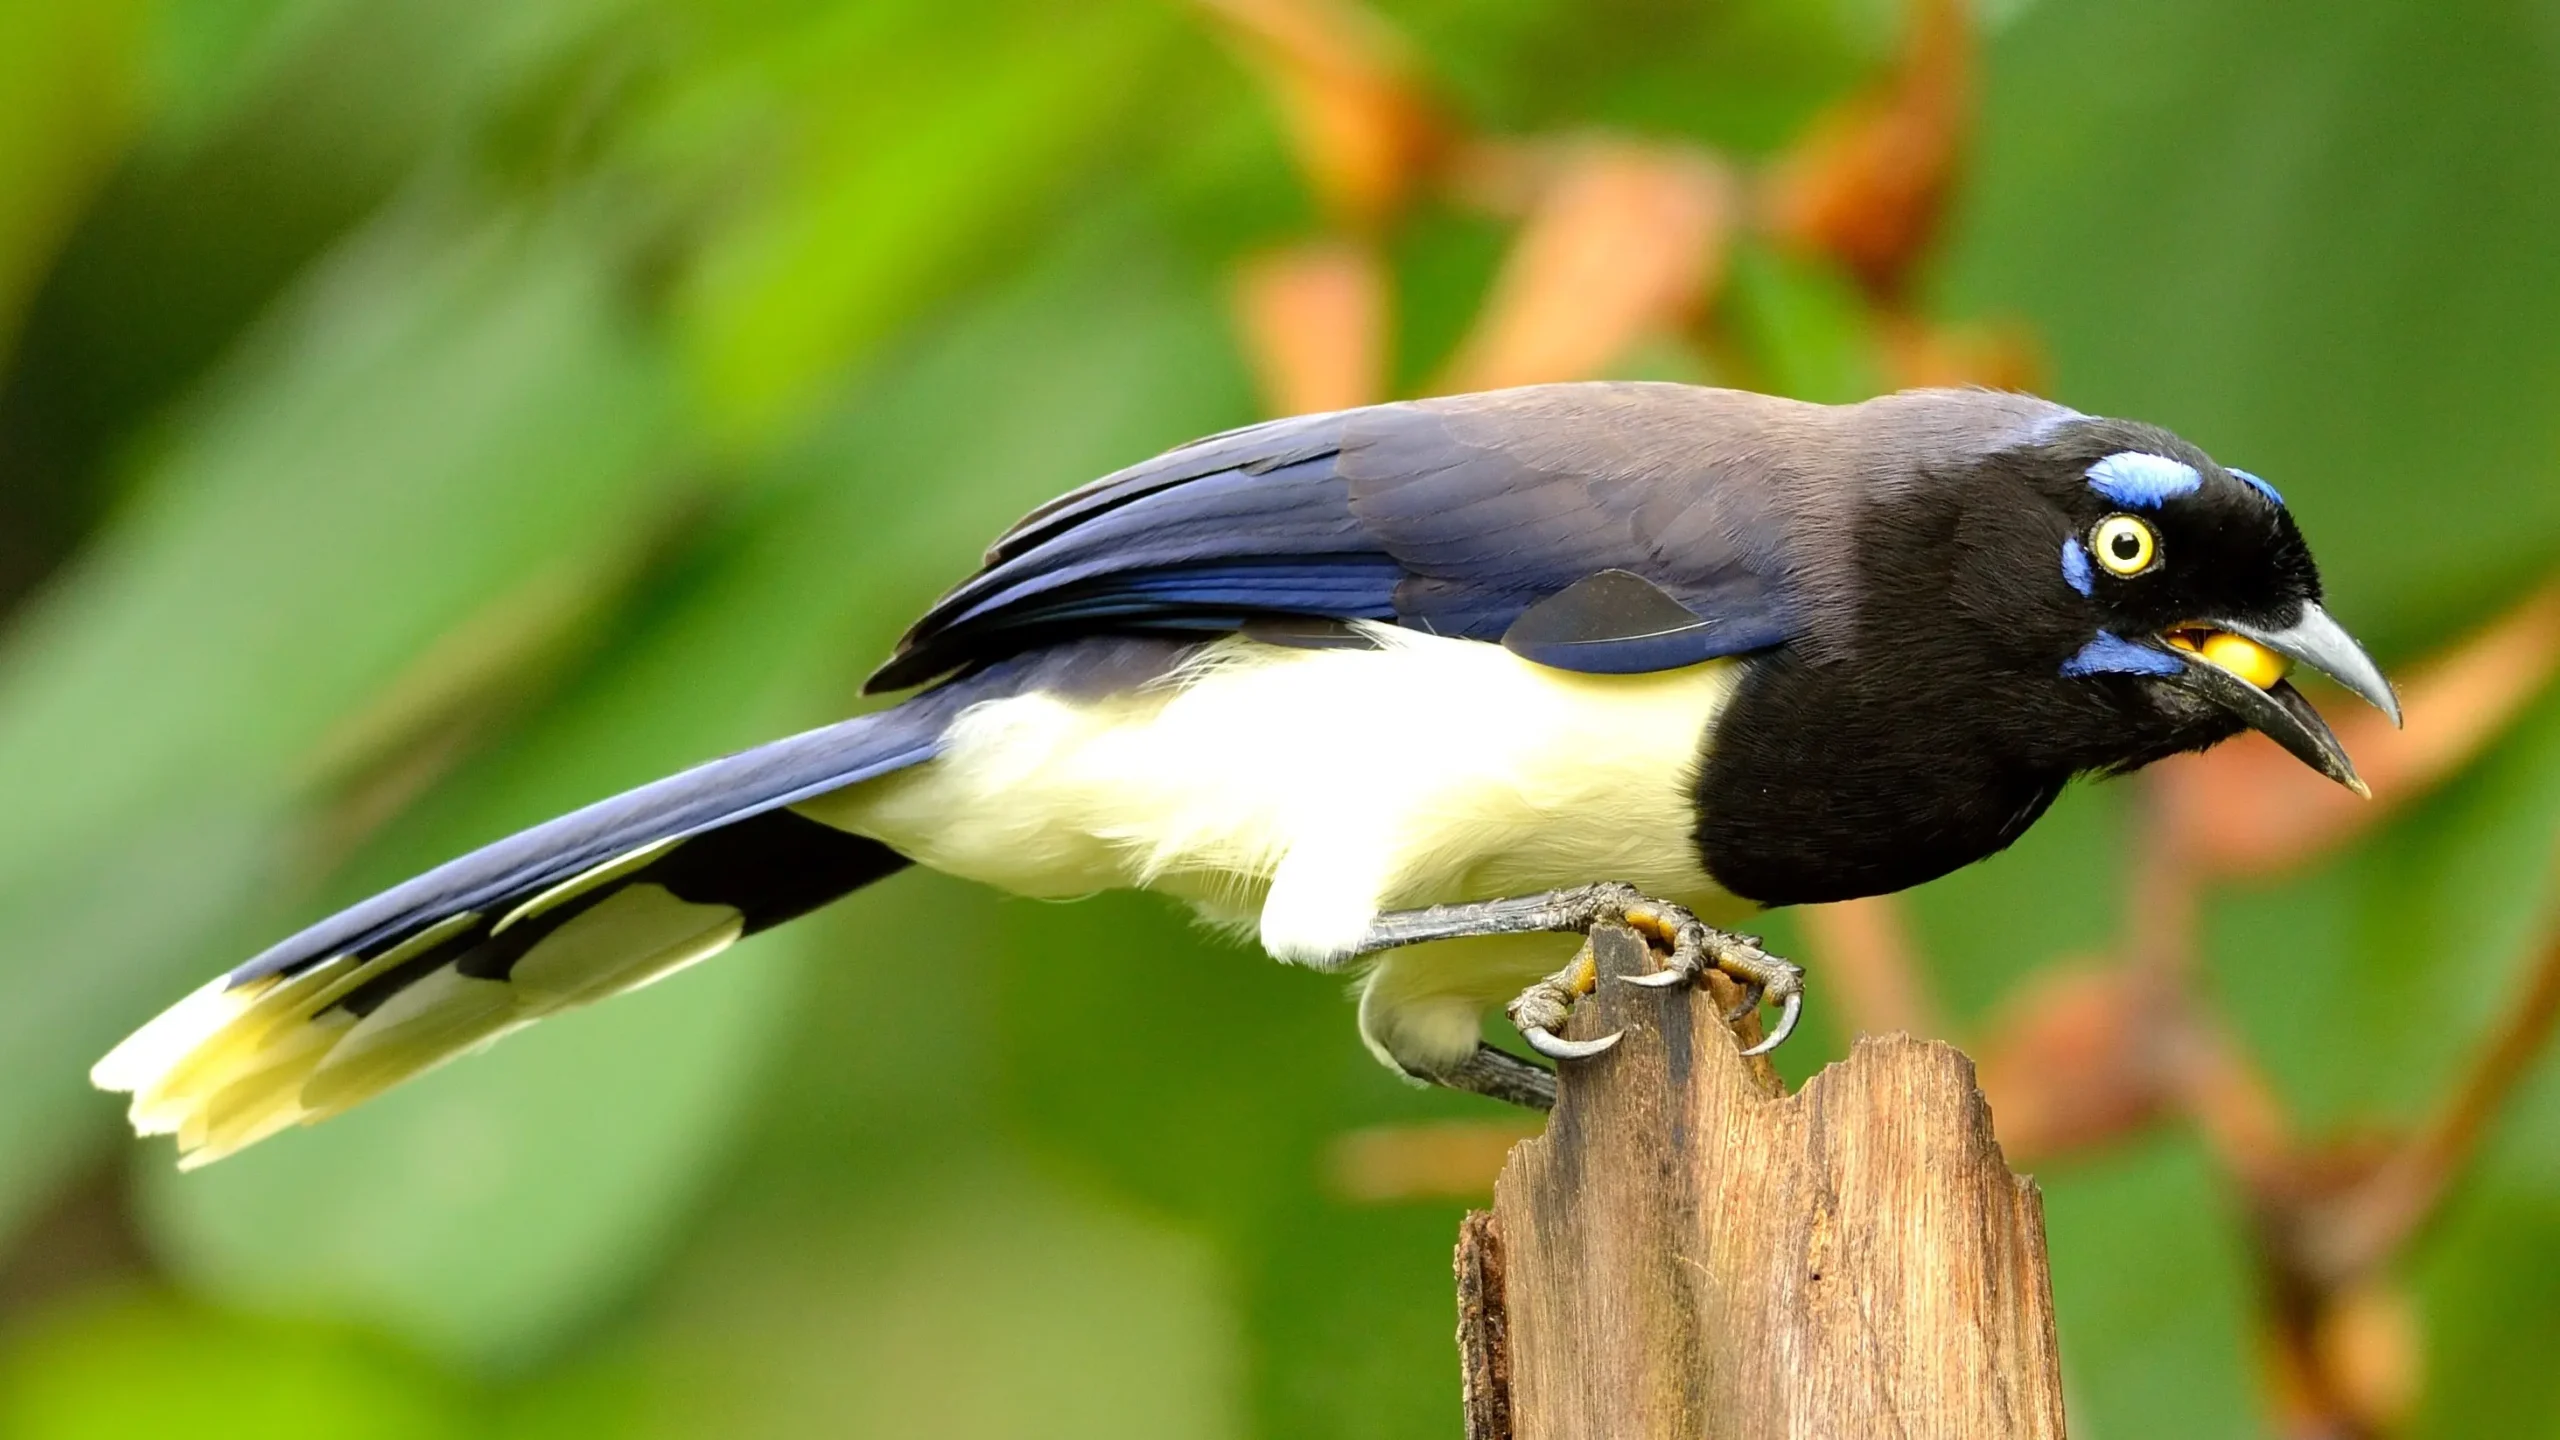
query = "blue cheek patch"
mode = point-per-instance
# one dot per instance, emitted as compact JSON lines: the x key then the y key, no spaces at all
{"x":2112,"y":654}
{"x":2261,"y":486}
{"x":2075,"y":567}
{"x":2136,"y":480}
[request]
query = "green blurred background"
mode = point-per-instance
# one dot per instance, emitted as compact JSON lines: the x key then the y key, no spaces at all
{"x":418,"y":417}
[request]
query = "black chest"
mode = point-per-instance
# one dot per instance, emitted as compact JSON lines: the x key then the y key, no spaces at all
{"x":1813,"y":789}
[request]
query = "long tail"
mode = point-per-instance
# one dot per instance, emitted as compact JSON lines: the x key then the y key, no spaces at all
{"x":594,"y":903}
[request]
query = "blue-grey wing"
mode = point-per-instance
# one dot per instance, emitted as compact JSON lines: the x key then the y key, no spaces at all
{"x":1455,"y":516}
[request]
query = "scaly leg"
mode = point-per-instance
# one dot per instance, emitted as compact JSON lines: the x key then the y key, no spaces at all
{"x":1693,"y":947}
{"x":1500,"y":1075}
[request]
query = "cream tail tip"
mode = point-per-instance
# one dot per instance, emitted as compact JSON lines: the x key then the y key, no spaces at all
{"x":148,"y":1055}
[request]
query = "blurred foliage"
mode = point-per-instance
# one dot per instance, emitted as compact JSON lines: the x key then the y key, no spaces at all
{"x":420,"y":416}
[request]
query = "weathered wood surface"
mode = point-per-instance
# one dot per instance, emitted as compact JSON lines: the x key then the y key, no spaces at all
{"x":1688,"y":1251}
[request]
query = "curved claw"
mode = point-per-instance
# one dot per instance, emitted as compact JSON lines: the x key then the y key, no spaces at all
{"x":1788,"y":1009}
{"x":1657,"y":979}
{"x":1555,"y":1047}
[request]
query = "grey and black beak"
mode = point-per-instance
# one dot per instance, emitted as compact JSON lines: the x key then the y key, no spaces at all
{"x":2278,"y":711}
{"x":2324,"y":645}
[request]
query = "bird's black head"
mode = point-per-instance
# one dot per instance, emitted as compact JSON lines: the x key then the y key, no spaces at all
{"x":2013,"y":595}
{"x":2156,"y":598}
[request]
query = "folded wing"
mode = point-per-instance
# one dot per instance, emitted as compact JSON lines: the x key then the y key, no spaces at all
{"x":1453,"y":516}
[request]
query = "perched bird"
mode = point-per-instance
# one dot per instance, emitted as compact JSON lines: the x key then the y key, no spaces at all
{"x":1408,"y":686}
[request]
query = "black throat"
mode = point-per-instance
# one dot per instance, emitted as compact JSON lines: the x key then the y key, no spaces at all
{"x":1814,"y":789}
{"x":1920,"y":722}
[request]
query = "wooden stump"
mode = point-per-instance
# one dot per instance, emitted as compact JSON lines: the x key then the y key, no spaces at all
{"x":1689,"y":1251}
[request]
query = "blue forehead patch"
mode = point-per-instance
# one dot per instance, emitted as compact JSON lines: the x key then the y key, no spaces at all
{"x":2112,"y":654}
{"x":2131,"y":477}
{"x":2261,"y":486}
{"x":2075,"y":567}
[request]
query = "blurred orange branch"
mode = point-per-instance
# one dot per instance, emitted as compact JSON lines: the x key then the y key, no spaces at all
{"x":1868,"y":184}
{"x":1363,"y":131}
{"x":1436,"y":1160}
{"x":1920,"y":353}
{"x":1315,"y":325}
{"x":1871,"y":967}
{"x":1625,"y":241}
{"x":1621,"y":241}
{"x":2358,"y":1231}
{"x":2071,"y":1060}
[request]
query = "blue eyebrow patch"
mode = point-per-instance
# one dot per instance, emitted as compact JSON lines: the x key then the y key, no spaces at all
{"x":2131,"y":477}
{"x":2075,"y":567}
{"x":2112,"y":654}
{"x":2261,"y":486}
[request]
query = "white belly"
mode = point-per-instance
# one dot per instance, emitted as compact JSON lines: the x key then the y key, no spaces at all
{"x":1311,"y":789}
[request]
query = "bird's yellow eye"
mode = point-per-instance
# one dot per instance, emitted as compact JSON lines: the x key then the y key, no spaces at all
{"x":2125,"y":545}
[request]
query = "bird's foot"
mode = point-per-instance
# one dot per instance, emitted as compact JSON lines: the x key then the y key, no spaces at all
{"x":1540,"y":1010}
{"x":1690,"y":948}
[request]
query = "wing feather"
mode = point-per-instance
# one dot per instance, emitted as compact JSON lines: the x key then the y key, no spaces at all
{"x":1453,"y":516}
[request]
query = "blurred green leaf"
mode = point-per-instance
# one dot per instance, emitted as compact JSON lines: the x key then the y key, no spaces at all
{"x":276,"y":128}
{"x":1352,"y":1319}
{"x":119,"y":1366}
{"x":2058,"y":893}
{"x":1741,"y":73}
{"x":206,"y":54}
{"x":1445,"y":261}
{"x":432,"y":425}
{"x":1804,"y":326}
{"x":366,"y":86}
{"x":983,"y":1302}
{"x":68,"y":98}
{"x":2482,"y":1283}
{"x":890,"y":191}
{"x":2152,"y":1288}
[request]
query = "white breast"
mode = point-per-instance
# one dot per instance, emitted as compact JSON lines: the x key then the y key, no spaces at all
{"x":1318,"y":787}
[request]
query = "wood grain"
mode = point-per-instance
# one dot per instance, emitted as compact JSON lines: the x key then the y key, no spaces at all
{"x":1484,"y":1332}
{"x":1688,"y":1251}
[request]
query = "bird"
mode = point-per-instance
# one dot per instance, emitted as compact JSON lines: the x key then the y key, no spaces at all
{"x":1405,"y":692}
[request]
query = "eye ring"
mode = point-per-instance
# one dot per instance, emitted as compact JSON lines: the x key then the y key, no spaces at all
{"x":2125,"y":545}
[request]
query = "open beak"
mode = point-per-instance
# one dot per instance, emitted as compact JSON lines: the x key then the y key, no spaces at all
{"x":2241,"y":668}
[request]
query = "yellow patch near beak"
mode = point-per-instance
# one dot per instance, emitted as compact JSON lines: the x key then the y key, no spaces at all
{"x":2243,"y":657}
